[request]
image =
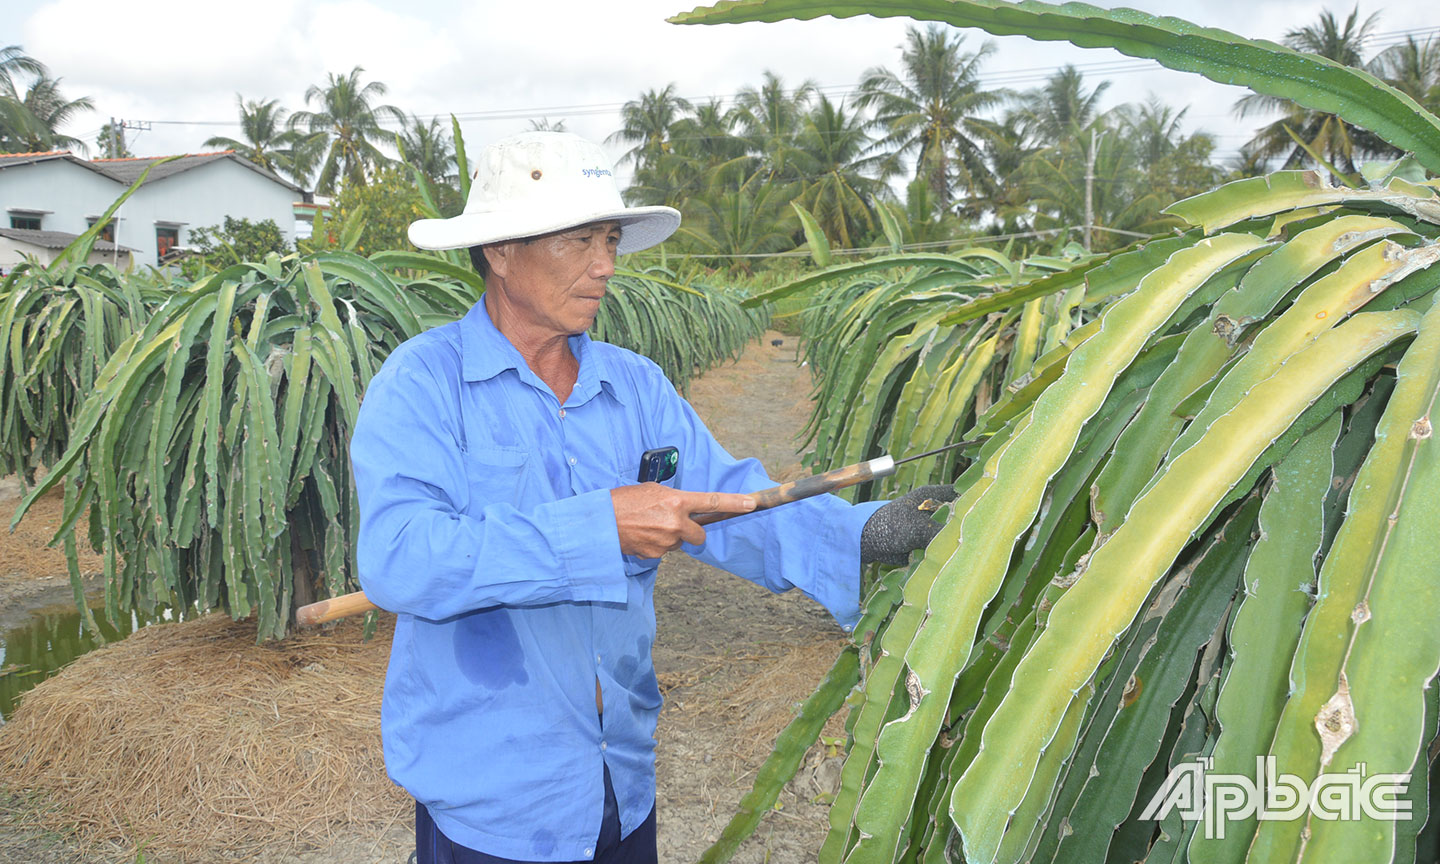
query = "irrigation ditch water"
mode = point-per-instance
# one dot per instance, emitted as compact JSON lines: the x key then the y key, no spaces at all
{"x":52,"y":639}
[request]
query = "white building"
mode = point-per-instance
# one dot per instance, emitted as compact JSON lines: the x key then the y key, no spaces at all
{"x":60,"y":192}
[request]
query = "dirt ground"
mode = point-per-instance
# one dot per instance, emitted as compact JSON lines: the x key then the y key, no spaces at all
{"x":741,"y":658}
{"x":733,"y":660}
{"x":33,"y":577}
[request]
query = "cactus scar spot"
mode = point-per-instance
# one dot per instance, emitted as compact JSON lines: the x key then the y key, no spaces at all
{"x":1335,"y":721}
{"x":1133,"y":689}
{"x":1225,"y":327}
{"x":1361,"y":613}
{"x":913,"y":688}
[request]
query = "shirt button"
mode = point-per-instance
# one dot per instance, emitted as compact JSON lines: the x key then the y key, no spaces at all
{"x":562,"y":413}
{"x":572,"y":460}
{"x":597,"y":658}
{"x":602,"y":745}
{"x":589,"y":852}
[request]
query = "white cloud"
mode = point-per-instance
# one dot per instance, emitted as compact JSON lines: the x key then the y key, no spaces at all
{"x":158,"y":47}
{"x":149,"y":60}
{"x":395,"y":47}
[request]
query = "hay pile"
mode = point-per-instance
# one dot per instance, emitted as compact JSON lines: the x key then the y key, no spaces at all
{"x":24,"y":554}
{"x":754,"y":709}
{"x":196,"y":744}
{"x":194,"y":741}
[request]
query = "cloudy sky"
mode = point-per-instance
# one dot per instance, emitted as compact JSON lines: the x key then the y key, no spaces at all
{"x":179,"y":65}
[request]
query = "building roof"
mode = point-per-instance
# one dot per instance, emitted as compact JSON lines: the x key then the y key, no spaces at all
{"x":56,"y":239}
{"x":10,"y":160}
{"x":37,"y":156}
{"x":127,"y":171}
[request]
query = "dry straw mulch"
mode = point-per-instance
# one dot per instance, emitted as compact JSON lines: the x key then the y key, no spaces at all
{"x":192,"y":741}
{"x":24,"y":553}
{"x":753,"y":710}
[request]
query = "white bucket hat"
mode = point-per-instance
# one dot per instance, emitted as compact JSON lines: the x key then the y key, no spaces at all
{"x":539,"y":182}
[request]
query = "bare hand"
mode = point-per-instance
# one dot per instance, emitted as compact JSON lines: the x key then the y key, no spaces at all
{"x":654,"y":519}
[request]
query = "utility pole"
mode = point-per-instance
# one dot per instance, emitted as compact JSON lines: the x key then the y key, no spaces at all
{"x":1090,"y":189}
{"x":117,"y":135}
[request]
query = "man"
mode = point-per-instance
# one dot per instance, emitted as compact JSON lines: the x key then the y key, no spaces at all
{"x":495,"y":460}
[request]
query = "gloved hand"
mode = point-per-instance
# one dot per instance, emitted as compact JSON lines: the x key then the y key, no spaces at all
{"x":902,"y":526}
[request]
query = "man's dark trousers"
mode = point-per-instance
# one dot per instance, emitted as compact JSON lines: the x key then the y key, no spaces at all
{"x":433,"y":847}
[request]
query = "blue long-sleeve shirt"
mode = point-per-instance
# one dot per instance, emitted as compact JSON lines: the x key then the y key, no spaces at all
{"x":487,"y":524}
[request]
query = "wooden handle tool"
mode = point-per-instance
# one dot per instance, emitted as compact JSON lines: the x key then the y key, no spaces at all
{"x":809,"y":487}
{"x":333,"y":609}
{"x":796,"y":490}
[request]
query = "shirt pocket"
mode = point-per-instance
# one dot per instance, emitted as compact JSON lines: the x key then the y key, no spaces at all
{"x":498,"y":475}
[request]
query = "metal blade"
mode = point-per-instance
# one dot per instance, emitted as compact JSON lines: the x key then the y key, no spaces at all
{"x":936,"y":450}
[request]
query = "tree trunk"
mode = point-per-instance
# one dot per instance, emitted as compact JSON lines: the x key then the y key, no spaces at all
{"x":303,"y":592}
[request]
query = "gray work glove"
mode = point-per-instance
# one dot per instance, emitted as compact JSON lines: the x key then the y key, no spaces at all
{"x":903,"y":525}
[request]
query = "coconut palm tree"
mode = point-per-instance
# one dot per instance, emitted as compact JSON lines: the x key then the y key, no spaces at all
{"x":270,"y":144}
{"x":932,"y":109}
{"x":14,"y":119}
{"x":1153,"y":127}
{"x":1413,"y":67}
{"x":306,"y":153}
{"x":1175,"y":165}
{"x":1334,"y":139}
{"x":770,"y":119}
{"x":735,"y":220}
{"x":429,"y":149}
{"x":13,"y":59}
{"x":646,"y":123}
{"x":1245,"y":163}
{"x":1058,"y":107}
{"x":1007,"y":147}
{"x":350,"y":121}
{"x":707,"y":137}
{"x":266,"y":141}
{"x":31,"y":121}
{"x":696,"y":145}
{"x":842,"y":182}
{"x":923,"y":221}
{"x":1122,"y":205}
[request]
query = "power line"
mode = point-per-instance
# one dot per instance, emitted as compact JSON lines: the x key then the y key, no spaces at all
{"x":1391,"y":34}
{"x":862,"y":250}
{"x":1002,"y":77}
{"x":928,"y":244}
